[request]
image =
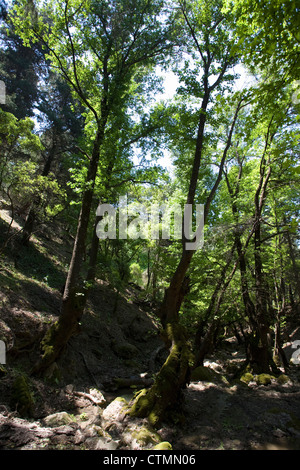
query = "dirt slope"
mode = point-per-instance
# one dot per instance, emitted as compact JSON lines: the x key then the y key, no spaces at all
{"x":119,"y":343}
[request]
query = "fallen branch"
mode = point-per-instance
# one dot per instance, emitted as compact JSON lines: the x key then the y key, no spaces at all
{"x":96,"y":401}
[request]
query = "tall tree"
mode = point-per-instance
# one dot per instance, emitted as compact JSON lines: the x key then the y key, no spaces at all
{"x":209,"y":39}
{"x":258,"y":154}
{"x":98,"y":47}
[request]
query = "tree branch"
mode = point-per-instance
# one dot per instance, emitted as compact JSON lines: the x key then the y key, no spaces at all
{"x":80,"y":92}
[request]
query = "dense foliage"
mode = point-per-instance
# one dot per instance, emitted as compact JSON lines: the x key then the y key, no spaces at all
{"x":85,"y":121}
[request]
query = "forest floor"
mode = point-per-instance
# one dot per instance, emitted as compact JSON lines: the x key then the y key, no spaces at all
{"x":81,"y":403}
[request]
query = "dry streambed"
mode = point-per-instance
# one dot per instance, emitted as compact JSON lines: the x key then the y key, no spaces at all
{"x":219,"y":415}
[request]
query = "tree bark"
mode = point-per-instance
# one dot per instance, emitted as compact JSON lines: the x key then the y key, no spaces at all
{"x":205,"y":345}
{"x":258,"y":345}
{"x":71,"y":309}
{"x":159,"y":401}
{"x":174,"y":374}
{"x":294,"y":263}
{"x":202,"y":342}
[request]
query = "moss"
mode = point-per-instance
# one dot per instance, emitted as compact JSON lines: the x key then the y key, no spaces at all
{"x":264,"y":379}
{"x":146,"y":436}
{"x":155,"y":416}
{"x":276,"y":360}
{"x":162,"y":446}
{"x":22,"y":397}
{"x":205,"y":374}
{"x":283,"y":379}
{"x":140,"y":404}
{"x":122,"y":400}
{"x":164,"y":396}
{"x":49,"y":340}
{"x":246,"y":378}
{"x":53,"y":343}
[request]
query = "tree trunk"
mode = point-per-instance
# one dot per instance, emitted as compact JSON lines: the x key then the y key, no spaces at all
{"x":205,"y":344}
{"x":294,"y":263}
{"x":279,"y":354}
{"x":173,"y":376}
{"x":258,"y":343}
{"x":260,"y":351}
{"x":160,"y":400}
{"x":166,"y":391}
{"x":28,"y":226}
{"x":71,"y":309}
{"x":202,"y":346}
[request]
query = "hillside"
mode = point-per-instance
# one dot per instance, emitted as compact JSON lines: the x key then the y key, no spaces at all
{"x":79,"y":403}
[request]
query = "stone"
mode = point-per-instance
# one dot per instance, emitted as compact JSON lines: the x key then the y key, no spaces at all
{"x":79,"y":437}
{"x":104,"y":444}
{"x":98,"y":396}
{"x":116,"y":410}
{"x":283,"y":379}
{"x":58,"y":419}
{"x":246,"y":378}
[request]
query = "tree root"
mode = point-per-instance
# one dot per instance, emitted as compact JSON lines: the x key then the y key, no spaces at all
{"x":159,"y":402}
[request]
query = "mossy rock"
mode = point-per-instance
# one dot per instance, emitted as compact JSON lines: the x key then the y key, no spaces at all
{"x":264,"y":379}
{"x":116,"y":410}
{"x":246,"y":378}
{"x":59,"y":419}
{"x":21,"y":396}
{"x":283,"y":379}
{"x":165,"y":445}
{"x":202,"y":373}
{"x":146,"y":436}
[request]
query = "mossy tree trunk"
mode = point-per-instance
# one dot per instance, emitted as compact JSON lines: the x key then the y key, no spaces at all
{"x":72,"y":306}
{"x":173,"y":377}
{"x":160,"y":401}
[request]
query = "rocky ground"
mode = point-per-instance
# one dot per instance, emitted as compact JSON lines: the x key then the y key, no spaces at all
{"x":81,"y":403}
{"x":89,"y":411}
{"x":218,"y":417}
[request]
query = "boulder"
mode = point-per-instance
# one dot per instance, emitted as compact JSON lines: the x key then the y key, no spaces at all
{"x":58,"y":419}
{"x":116,"y":410}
